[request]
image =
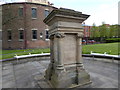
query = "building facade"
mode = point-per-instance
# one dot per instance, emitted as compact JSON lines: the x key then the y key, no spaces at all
{"x":87,"y":32}
{"x":23,"y":26}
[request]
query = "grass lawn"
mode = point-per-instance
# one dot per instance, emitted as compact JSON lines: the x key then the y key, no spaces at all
{"x":110,"y":48}
{"x":11,"y":53}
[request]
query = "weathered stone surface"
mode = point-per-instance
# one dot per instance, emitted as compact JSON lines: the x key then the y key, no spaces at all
{"x":66,"y":69}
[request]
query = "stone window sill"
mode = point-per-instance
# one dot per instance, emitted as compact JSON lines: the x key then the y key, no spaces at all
{"x":34,"y":39}
{"x":34,"y":18}
{"x":9,"y":40}
{"x":47,"y":39}
{"x":21,"y":40}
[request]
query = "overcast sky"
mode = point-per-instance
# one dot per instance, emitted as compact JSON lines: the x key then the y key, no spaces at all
{"x":100,"y":10}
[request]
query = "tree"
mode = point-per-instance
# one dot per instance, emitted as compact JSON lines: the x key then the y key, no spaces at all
{"x":111,"y":31}
{"x":92,"y":32}
{"x":118,"y":31}
{"x":103,"y":31}
{"x":95,"y":32}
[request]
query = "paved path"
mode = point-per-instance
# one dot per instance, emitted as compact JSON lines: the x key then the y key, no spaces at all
{"x":30,"y":74}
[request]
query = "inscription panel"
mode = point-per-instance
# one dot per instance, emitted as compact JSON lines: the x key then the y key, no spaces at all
{"x":69,"y":49}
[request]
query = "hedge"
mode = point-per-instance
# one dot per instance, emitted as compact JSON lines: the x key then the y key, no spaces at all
{"x":110,"y":40}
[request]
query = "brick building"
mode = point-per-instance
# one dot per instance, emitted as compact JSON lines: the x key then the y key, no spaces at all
{"x":23,"y":26}
{"x":86,"y":32}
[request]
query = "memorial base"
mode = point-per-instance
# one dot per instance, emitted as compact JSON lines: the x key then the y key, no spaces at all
{"x":65,"y":33}
{"x":67,"y":76}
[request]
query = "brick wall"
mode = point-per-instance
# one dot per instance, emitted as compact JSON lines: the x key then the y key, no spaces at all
{"x":87,"y":31}
{"x":12,"y":21}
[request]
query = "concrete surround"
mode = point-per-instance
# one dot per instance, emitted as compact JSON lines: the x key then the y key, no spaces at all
{"x":66,"y":68}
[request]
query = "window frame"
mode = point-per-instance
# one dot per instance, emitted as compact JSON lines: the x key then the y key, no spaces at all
{"x":9,"y":35}
{"x":19,"y":34}
{"x":47,"y":35}
{"x":47,"y":13}
{"x":22,"y":15}
{"x":32,"y":13}
{"x":33,"y":34}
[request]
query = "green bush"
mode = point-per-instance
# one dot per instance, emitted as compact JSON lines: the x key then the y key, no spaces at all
{"x":111,"y":40}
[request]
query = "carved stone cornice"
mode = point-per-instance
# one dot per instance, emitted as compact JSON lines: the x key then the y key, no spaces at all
{"x":51,"y":36}
{"x":59,"y":35}
{"x":80,"y":35}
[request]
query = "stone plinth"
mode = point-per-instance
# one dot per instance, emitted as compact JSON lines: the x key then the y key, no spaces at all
{"x":66,"y":67}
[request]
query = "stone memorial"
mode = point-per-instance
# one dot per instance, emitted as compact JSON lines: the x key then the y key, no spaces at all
{"x":66,"y":68}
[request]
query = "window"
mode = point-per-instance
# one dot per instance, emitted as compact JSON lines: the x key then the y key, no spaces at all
{"x":47,"y":35}
{"x":34,"y":34}
{"x":9,"y":35}
{"x":20,"y":12}
{"x":46,"y":13}
{"x":34,"y":12}
{"x":21,"y":34}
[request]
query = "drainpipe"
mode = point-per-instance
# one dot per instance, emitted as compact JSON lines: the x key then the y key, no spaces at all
{"x":25,"y":41}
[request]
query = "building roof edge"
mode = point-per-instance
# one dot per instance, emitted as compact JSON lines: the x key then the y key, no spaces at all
{"x":27,"y":3}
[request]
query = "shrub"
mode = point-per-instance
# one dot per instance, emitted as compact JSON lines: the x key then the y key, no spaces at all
{"x":111,"y":40}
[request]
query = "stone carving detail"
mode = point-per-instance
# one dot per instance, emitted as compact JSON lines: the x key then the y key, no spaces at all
{"x":59,"y":35}
{"x":80,"y":35}
{"x":51,"y":36}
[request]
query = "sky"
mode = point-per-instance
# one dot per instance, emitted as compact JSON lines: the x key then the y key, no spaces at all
{"x":99,"y":10}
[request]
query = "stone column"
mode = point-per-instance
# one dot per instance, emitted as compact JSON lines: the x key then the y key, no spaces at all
{"x":79,"y":50}
{"x":51,"y":48}
{"x":49,"y":71}
{"x":59,"y":37}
